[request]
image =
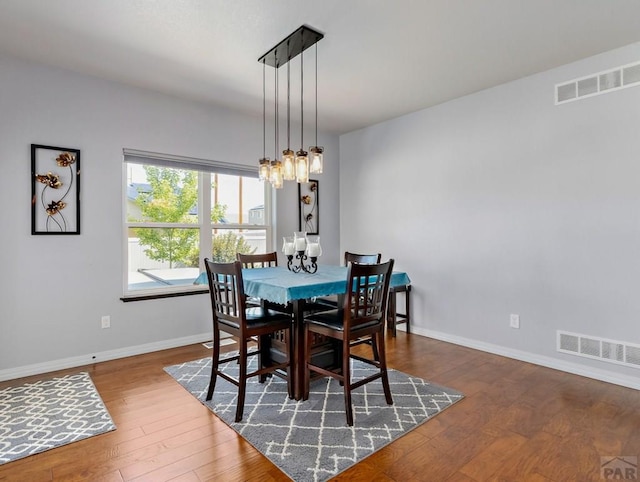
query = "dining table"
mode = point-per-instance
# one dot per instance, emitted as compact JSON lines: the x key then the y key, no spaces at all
{"x":299,"y":292}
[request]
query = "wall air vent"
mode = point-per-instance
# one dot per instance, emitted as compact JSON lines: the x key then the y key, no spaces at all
{"x":600,"y":83}
{"x":619,"y":352}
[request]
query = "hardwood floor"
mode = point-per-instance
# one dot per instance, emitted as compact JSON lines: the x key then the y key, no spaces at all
{"x":518,"y":422}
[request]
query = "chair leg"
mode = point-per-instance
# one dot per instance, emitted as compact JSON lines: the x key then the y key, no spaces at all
{"x":346,"y":374}
{"x":215,"y":357}
{"x":307,"y":361}
{"x":263,"y":356}
{"x":383,"y":368}
{"x":374,"y":348}
{"x":407,"y":304}
{"x":289,"y":345}
{"x":391,"y":313}
{"x":242,"y":379}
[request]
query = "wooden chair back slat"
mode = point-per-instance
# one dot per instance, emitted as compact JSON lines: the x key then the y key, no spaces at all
{"x":361,"y":258}
{"x":265,"y":260}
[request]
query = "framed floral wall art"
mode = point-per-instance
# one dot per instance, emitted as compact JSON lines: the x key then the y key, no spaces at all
{"x":55,"y":190}
{"x":308,"y":206}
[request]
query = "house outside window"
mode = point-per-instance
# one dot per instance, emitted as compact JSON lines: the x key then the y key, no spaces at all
{"x":178,"y":211}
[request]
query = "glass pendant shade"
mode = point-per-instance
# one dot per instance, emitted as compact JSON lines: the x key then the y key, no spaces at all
{"x":302,"y":166}
{"x":263,"y":170}
{"x":316,"y":159}
{"x":276,"y":174}
{"x":288,"y":165}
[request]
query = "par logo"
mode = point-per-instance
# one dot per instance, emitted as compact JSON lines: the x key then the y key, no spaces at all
{"x":619,"y":468}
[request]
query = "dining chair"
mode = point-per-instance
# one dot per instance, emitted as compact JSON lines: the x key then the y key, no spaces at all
{"x":332,"y":301}
{"x":230,"y":314}
{"x":394,"y":317}
{"x":361,"y":315}
{"x":265,"y":260}
{"x":278,"y":344}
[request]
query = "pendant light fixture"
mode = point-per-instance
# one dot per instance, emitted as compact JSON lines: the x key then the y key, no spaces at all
{"x":292,"y":167}
{"x":316,"y":151}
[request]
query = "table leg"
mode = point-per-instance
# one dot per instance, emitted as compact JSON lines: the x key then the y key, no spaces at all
{"x":297,"y":353}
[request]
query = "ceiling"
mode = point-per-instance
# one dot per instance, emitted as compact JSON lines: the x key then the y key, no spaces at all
{"x":379,"y":59}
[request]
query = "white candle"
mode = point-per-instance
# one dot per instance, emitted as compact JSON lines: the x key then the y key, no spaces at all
{"x":289,"y":249}
{"x":301,"y":244}
{"x":313,"y":250}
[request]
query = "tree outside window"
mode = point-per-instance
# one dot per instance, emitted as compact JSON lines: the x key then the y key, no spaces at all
{"x":172,"y":198}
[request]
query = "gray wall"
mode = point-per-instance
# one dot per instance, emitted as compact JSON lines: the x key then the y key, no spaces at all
{"x":56,"y":288}
{"x":502,"y":202}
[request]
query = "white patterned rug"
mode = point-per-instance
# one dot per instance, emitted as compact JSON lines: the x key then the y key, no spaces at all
{"x":39,"y":416}
{"x":310,"y":440}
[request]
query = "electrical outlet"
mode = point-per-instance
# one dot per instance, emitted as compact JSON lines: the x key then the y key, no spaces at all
{"x":106,"y":321}
{"x":514,"y":321}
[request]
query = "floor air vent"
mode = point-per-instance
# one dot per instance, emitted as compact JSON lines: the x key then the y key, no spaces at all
{"x":612,"y":351}
{"x":223,"y":342}
{"x":600,"y":83}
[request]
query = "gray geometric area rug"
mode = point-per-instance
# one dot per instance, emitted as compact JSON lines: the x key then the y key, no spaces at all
{"x":42,"y":415}
{"x":310,"y":440}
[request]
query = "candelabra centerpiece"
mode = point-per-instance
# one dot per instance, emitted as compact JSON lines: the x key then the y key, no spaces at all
{"x":303,"y":248}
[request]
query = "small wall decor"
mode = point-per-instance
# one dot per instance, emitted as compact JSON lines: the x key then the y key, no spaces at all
{"x":308,"y":207}
{"x":55,"y":190}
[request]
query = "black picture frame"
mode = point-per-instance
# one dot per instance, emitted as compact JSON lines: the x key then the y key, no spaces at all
{"x":55,"y":190}
{"x":308,"y":207}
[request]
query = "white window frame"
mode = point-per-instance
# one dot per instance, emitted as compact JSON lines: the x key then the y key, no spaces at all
{"x":204,"y":168}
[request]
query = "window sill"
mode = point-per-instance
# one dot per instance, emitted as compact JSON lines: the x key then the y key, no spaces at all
{"x":156,"y":296}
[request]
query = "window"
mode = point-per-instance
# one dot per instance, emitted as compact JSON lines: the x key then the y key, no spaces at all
{"x":179,"y":211}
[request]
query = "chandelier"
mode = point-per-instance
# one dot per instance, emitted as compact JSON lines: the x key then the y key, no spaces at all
{"x":292,"y":166}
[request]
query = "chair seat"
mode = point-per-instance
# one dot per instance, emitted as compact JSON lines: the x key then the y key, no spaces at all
{"x":334,"y":319}
{"x":257,"y":314}
{"x":319,"y":304}
{"x":259,"y":317}
{"x":309,"y":306}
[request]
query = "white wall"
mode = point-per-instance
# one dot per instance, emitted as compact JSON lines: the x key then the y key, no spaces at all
{"x":56,"y":288}
{"x":502,"y":202}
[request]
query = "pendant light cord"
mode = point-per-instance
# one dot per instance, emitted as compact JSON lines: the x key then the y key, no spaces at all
{"x":264,"y":111}
{"x":301,"y":100}
{"x":288,"y":104}
{"x":316,"y":94}
{"x":276,"y":113}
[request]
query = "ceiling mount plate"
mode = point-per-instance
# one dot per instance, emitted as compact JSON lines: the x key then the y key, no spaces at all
{"x":288,"y":48}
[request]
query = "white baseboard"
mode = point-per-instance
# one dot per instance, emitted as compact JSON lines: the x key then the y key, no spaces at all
{"x":77,"y":361}
{"x":545,"y":361}
{"x":574,"y":368}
